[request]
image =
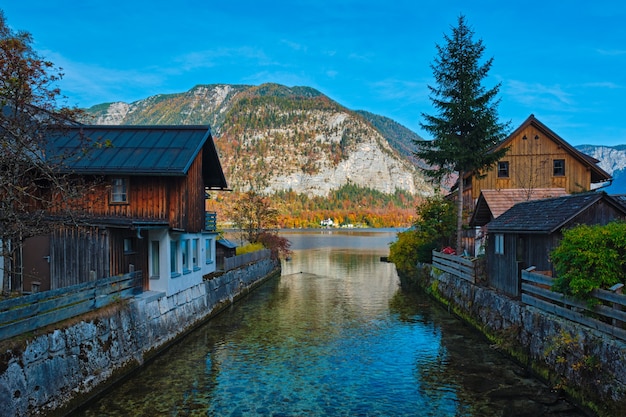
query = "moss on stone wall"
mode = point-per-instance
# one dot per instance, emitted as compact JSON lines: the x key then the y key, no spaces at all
{"x":570,"y":358}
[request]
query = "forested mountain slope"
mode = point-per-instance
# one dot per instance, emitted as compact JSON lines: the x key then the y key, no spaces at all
{"x":276,"y":139}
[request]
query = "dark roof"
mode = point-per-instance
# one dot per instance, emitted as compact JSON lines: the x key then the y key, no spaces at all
{"x":140,"y":150}
{"x":621,"y":199}
{"x":492,"y":203}
{"x":548,"y":215}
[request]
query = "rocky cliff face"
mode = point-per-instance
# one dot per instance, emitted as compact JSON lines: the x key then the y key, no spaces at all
{"x":274,"y":138}
{"x":612,"y":160}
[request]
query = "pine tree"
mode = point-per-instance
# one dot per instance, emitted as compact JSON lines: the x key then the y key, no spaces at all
{"x":466,"y":128}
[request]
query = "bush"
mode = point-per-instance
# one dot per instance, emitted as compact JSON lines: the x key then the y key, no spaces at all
{"x":411,"y":248}
{"x":433,"y":229}
{"x":250,"y":247}
{"x":279,"y":245}
{"x":590,"y":257}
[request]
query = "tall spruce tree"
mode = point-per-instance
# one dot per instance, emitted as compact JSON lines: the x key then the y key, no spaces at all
{"x":465,"y":129}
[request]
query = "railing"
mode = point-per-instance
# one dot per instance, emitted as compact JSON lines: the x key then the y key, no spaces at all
{"x":25,"y":314}
{"x":455,"y":265}
{"x":236,"y":261}
{"x":607,"y":316}
{"x":210,"y":221}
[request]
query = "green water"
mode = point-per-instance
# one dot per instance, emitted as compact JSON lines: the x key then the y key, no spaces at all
{"x":333,"y":336}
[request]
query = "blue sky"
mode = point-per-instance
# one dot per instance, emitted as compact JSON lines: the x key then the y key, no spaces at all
{"x":563,"y":61}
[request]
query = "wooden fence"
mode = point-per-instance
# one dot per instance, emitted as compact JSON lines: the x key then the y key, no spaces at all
{"x":456,"y":265}
{"x":24,"y":314}
{"x":607,"y":316}
{"x":236,"y":261}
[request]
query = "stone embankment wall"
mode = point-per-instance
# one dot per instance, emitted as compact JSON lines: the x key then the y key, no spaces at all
{"x":53,"y":372}
{"x":588,"y":365}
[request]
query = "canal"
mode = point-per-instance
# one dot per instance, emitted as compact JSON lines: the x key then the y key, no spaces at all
{"x":333,"y":336}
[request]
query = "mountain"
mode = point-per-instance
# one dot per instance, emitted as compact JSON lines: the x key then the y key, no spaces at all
{"x":612,"y":160}
{"x":398,"y":136}
{"x":275,"y":138}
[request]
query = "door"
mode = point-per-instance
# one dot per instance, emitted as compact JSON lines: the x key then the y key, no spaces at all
{"x":36,"y":264}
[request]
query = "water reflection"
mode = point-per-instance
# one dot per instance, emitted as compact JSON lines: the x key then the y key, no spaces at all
{"x":333,"y":336}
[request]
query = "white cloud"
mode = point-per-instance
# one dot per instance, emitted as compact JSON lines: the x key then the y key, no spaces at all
{"x":612,"y":52}
{"x":401,"y":90}
{"x":210,"y":58}
{"x":602,"y":84}
{"x":86,"y":84}
{"x":538,"y":95}
{"x":294,"y":45}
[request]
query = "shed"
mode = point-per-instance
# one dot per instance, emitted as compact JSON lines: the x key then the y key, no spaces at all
{"x":525,"y":235}
{"x":224,"y":248}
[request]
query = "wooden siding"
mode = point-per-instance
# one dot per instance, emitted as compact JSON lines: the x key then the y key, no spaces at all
{"x":503,"y":268}
{"x":531,"y":166}
{"x":600,"y":213}
{"x":82,"y":254}
{"x":186,"y":200}
{"x":121,"y":259}
{"x":75,"y":252}
{"x":176,"y":200}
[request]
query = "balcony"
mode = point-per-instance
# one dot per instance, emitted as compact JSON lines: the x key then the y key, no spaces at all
{"x":210,"y":221}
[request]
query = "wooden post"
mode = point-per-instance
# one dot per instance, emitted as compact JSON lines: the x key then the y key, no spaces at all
{"x":617,"y":289}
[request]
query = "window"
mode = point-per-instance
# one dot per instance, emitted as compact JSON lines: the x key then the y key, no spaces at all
{"x":184,"y":248}
{"x":194,"y":254}
{"x":155,"y":261}
{"x":503,"y":169}
{"x":174,"y":259}
{"x":499,"y":244}
{"x":119,"y":190}
{"x":559,"y":167}
{"x":208,"y":256}
{"x":128,"y":246}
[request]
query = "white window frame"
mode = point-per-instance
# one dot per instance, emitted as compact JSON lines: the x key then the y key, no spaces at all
{"x":208,"y":256}
{"x":194,"y":254}
{"x":155,"y":266}
{"x":174,"y":255}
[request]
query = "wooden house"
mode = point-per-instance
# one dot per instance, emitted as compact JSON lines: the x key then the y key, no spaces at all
{"x":537,"y":161}
{"x":525,"y":235}
{"x":146,"y":211}
{"x":492,"y":203}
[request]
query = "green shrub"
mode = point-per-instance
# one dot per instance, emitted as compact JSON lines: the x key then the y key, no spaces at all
{"x":410,"y":248}
{"x":433,"y":229}
{"x":590,"y":257}
{"x":436,"y":218}
{"x":402,"y":251}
